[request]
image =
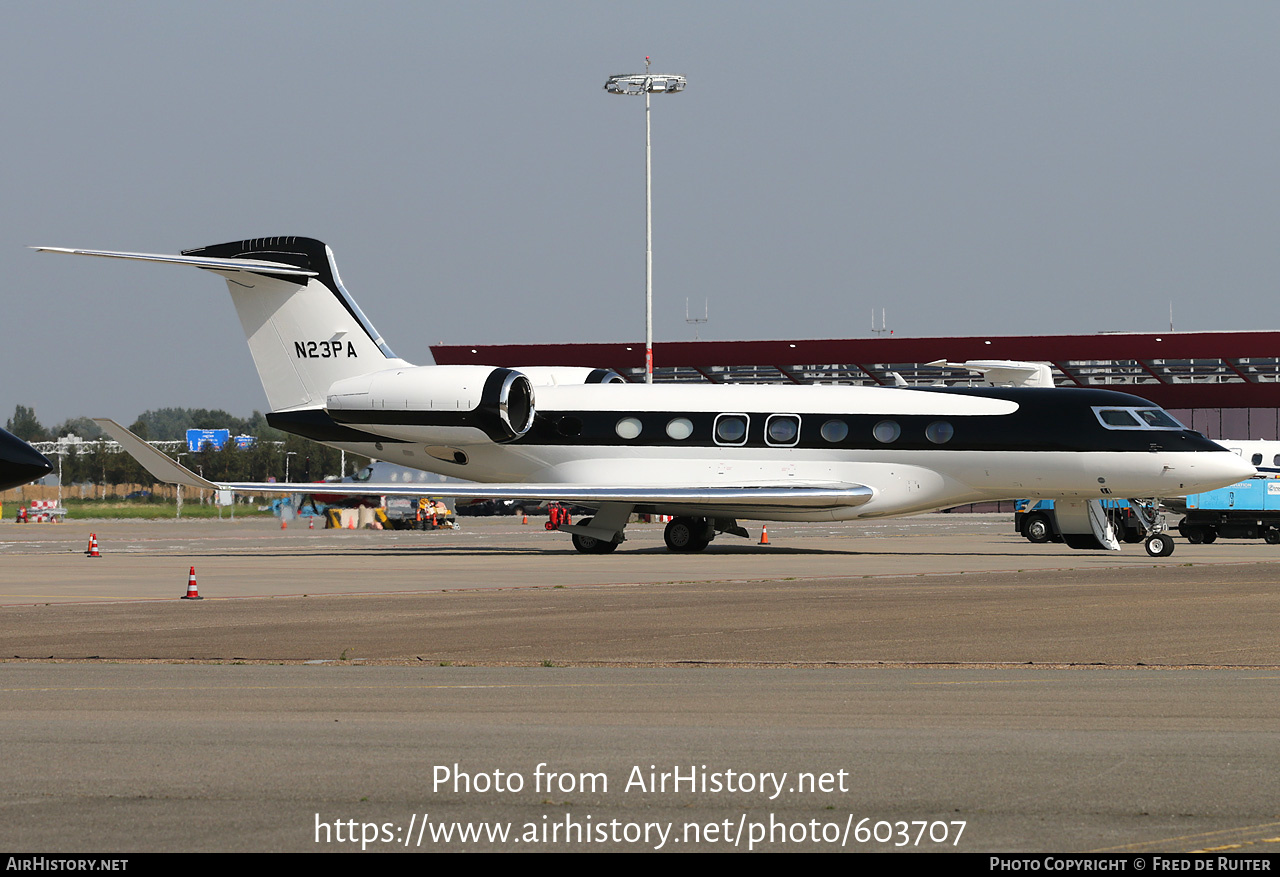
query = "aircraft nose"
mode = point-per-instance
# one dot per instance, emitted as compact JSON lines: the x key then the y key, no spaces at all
{"x":1240,"y":468}
{"x":19,"y":462}
{"x":1220,"y":469}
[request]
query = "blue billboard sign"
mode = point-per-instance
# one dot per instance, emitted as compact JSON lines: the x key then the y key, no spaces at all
{"x":201,"y":438}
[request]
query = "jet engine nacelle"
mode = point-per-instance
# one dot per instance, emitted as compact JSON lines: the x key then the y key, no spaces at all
{"x":562,"y":375}
{"x":436,"y":404}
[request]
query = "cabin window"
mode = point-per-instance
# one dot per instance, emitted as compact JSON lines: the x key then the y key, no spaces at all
{"x":939,"y":432}
{"x":1257,"y":460}
{"x":731,"y":429}
{"x":629,"y":428}
{"x":1275,"y":461}
{"x":782,"y":429}
{"x":835,"y":430}
{"x":679,"y":428}
{"x":887,"y":431}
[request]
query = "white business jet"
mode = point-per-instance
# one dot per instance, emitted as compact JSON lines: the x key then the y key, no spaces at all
{"x":709,"y":455}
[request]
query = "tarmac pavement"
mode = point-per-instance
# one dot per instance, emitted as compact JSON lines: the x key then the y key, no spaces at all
{"x":1050,"y":700}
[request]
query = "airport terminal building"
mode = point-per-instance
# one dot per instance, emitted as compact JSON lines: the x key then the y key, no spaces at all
{"x":1224,"y":384}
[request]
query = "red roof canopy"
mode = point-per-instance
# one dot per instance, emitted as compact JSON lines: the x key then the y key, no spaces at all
{"x":1173,"y":369}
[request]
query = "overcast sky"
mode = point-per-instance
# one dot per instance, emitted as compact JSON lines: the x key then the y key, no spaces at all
{"x":977,"y":167}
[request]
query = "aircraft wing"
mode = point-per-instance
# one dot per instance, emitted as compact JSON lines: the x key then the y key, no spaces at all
{"x":802,"y":495}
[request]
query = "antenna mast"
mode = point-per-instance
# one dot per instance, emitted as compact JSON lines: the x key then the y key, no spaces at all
{"x":696,"y":320}
{"x":883,"y":330}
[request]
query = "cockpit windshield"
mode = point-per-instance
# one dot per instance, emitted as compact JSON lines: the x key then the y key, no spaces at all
{"x":1119,"y":418}
{"x":1136,"y":418}
{"x":1158,"y":418}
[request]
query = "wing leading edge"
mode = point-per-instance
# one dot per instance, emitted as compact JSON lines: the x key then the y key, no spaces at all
{"x":809,"y":495}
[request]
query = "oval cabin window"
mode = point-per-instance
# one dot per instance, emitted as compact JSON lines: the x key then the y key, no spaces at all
{"x":680,"y":428}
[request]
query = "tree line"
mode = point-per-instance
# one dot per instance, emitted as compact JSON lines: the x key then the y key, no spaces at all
{"x":92,"y":462}
{"x":162,"y":424}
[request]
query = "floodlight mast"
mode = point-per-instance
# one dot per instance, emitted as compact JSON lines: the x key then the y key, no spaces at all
{"x":647,"y":83}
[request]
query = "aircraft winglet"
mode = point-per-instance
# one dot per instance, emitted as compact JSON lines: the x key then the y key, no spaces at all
{"x":157,"y":463}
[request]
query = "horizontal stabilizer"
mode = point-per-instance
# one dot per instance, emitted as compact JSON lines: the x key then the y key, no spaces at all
{"x":249,"y":266}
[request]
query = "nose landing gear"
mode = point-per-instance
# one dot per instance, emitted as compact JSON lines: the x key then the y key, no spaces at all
{"x":1158,"y":542}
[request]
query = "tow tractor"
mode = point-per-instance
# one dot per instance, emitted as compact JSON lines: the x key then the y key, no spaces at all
{"x":1248,"y":509}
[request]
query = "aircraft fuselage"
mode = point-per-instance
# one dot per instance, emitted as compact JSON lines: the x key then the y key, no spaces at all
{"x":920,"y":449}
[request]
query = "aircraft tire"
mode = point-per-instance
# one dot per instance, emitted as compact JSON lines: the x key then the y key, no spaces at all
{"x":590,"y":544}
{"x":1037,"y":529}
{"x":1159,"y":545}
{"x":683,"y":535}
{"x":1271,"y":536}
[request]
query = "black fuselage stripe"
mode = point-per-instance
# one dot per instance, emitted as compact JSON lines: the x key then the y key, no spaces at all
{"x":317,"y":425}
{"x":971,"y":432}
{"x":1050,"y":420}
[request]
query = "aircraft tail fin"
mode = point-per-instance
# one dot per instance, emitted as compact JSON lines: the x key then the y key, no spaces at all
{"x":305,"y":331}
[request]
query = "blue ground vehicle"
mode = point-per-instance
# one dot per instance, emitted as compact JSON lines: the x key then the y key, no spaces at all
{"x":1036,"y":522}
{"x":1248,"y":509}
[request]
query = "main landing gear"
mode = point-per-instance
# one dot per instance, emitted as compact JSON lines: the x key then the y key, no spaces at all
{"x":590,"y":544}
{"x":685,"y":535}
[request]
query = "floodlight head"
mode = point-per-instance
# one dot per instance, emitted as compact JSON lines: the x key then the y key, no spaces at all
{"x":645,"y":83}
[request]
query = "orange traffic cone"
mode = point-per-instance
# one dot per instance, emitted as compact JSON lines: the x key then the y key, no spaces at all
{"x":311,"y":522}
{"x":93,"y":545}
{"x":524,"y":519}
{"x":88,"y":549}
{"x":193,"y":593}
{"x":351,"y":522}
{"x":284,"y":525}
{"x":764,"y":535}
